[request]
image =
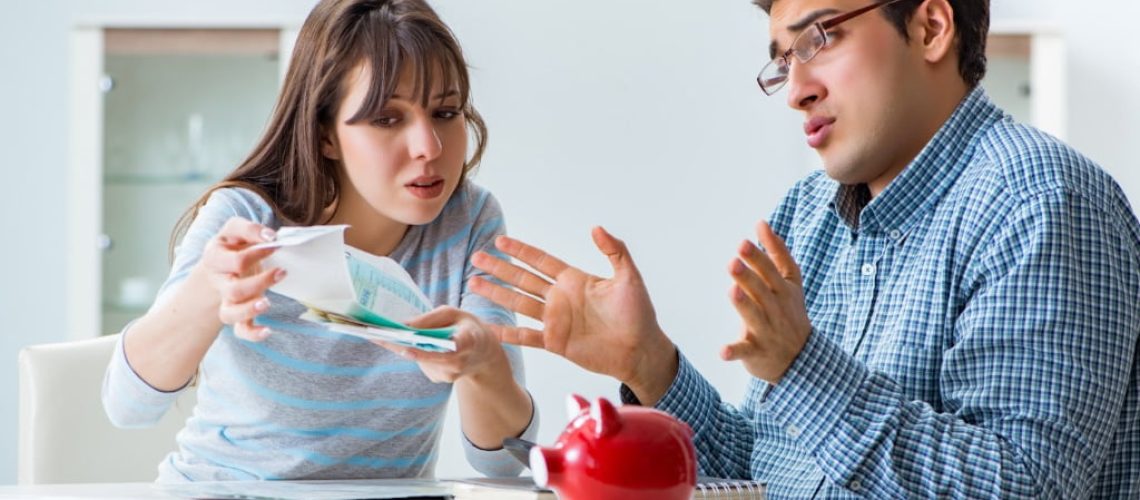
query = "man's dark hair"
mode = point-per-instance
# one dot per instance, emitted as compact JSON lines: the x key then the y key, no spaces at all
{"x":971,"y":19}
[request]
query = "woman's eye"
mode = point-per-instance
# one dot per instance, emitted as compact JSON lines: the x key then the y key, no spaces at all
{"x":447,"y":114}
{"x":386,"y":121}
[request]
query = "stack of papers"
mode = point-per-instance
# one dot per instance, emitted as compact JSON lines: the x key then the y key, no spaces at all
{"x":349,"y":291}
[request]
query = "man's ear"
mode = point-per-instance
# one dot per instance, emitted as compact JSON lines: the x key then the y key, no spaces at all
{"x":329,"y":147}
{"x":934,"y":23}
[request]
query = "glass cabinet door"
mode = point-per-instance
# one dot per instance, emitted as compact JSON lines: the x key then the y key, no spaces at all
{"x":182,"y":108}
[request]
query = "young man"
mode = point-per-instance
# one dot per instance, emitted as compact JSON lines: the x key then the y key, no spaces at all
{"x":965,"y":322}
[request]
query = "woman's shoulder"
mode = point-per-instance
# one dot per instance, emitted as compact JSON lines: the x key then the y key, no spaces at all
{"x":234,"y":201}
{"x":471,"y":202}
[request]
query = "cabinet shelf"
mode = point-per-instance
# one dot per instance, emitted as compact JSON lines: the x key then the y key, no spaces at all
{"x":158,"y":179}
{"x":132,"y":309}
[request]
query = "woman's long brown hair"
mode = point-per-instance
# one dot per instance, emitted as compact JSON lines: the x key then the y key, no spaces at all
{"x":286,"y":168}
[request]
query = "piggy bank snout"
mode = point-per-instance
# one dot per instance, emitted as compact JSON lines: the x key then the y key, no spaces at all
{"x":546,"y":465}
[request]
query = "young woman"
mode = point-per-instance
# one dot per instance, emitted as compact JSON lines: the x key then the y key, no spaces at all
{"x":370,"y":130}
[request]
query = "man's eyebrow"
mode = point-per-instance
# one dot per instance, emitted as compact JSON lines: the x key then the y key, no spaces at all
{"x":798,"y":26}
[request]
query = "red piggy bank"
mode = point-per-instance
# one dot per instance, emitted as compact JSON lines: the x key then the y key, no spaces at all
{"x":618,"y":453}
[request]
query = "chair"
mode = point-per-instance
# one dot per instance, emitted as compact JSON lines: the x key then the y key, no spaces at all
{"x":65,"y":436}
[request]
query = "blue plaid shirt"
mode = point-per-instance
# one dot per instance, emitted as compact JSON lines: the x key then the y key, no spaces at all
{"x":974,"y":332}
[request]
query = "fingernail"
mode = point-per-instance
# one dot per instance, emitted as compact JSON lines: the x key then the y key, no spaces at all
{"x":268,"y":234}
{"x":737,"y":267}
{"x":278,"y":275}
{"x":261,"y":305}
{"x":263,"y":333}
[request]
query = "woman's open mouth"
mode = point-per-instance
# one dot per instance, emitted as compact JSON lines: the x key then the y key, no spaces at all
{"x":426,"y":187}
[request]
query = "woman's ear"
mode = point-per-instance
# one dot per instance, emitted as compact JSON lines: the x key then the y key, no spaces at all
{"x":936,"y":29}
{"x":329,"y":147}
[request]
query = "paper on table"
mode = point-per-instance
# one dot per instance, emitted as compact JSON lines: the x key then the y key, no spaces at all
{"x":310,"y":490}
{"x":373,"y":295}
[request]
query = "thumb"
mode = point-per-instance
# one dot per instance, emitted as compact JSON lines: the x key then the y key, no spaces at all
{"x":615,"y":249}
{"x":737,"y":350}
{"x":436,"y":318}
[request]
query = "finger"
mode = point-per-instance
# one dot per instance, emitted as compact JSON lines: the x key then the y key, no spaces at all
{"x":430,"y":357}
{"x":778,"y":251}
{"x":251,"y":332}
{"x":616,"y":251}
{"x":752,"y":313}
{"x":438,"y":318}
{"x":510,"y":299}
{"x":762,"y":265}
{"x":738,"y":350}
{"x":234,"y":313}
{"x":239,"y":290}
{"x":240,"y":233}
{"x":518,"y":335}
{"x":239,"y":262}
{"x":532,"y":256}
{"x":416,"y":355}
{"x":511,"y":274}
{"x":751,"y":283}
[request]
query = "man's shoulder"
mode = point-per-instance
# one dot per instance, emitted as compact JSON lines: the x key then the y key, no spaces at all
{"x":1026,"y":163}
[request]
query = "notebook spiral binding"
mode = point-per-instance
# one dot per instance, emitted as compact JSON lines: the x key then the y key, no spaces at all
{"x":728,"y":489}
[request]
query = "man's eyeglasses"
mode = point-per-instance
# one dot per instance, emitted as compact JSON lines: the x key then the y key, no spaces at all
{"x":775,"y":74}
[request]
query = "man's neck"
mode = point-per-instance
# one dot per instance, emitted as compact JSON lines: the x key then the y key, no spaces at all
{"x":942,"y":107}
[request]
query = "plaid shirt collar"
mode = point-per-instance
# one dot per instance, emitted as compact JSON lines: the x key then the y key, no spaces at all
{"x":921,"y":184}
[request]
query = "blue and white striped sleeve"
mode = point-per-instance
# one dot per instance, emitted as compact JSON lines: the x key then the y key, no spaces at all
{"x":1030,"y":389}
{"x":488,"y":225}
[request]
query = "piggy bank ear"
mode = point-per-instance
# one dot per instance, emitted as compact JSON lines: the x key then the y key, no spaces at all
{"x":574,"y":406}
{"x":606,"y":418}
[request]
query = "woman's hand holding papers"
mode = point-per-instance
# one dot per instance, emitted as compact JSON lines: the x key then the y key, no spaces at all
{"x":232,"y":267}
{"x":607,"y":326}
{"x":492,"y":405}
{"x":477,"y":349}
{"x":166,"y":345}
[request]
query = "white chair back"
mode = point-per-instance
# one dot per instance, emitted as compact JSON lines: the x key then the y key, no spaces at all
{"x":66,"y":437}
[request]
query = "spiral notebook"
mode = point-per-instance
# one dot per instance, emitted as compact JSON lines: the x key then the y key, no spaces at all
{"x":524,"y":489}
{"x":713,"y":487}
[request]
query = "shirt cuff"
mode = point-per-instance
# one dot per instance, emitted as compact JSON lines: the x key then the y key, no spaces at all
{"x":811,"y":398}
{"x":130,"y":400}
{"x":140,"y":385}
{"x":499,"y":462}
{"x":690,"y":398}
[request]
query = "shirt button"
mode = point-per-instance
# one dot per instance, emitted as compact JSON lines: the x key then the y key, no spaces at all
{"x":793,"y":431}
{"x":868,"y":269}
{"x":856,"y":485}
{"x":895,"y":234}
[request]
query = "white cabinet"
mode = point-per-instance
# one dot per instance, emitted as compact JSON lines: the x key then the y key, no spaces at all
{"x":159,"y":116}
{"x":1026,"y":74}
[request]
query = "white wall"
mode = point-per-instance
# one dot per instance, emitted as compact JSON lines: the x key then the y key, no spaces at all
{"x":640,"y":115}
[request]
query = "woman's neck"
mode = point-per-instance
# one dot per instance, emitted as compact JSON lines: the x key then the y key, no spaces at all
{"x":368,"y":230}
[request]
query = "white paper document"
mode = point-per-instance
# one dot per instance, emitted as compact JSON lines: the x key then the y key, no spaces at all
{"x":310,"y":490}
{"x":349,"y":291}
